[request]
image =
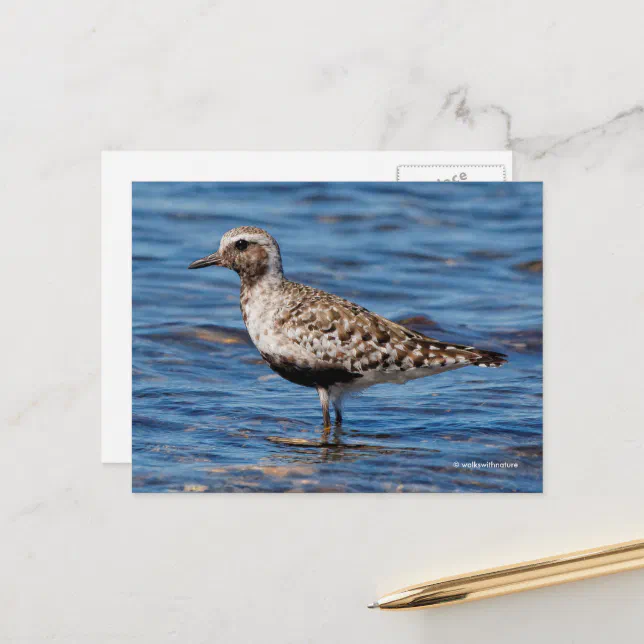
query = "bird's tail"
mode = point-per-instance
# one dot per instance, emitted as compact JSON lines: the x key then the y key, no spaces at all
{"x":488,"y":358}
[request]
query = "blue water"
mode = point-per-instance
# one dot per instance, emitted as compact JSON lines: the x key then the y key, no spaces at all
{"x":459,"y":262}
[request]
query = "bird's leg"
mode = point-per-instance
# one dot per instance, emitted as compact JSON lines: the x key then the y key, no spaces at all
{"x":324,"y":401}
{"x":336,"y":399}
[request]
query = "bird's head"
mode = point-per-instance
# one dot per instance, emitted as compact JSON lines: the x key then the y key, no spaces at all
{"x":251,"y":252}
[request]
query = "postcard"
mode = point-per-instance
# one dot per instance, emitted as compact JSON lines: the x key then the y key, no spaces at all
{"x":121,"y":169}
{"x":336,"y":336}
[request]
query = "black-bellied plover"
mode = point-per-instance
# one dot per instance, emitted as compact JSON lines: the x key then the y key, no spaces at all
{"x":320,"y":340}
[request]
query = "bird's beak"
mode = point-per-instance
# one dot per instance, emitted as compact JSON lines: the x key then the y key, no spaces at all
{"x":209,"y":260}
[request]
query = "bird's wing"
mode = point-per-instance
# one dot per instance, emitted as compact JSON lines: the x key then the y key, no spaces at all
{"x":343,"y":335}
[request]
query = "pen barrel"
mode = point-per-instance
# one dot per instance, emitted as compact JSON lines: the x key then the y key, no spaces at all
{"x":519,"y":577}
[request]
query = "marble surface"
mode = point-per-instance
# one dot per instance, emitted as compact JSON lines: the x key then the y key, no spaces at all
{"x":559,"y":84}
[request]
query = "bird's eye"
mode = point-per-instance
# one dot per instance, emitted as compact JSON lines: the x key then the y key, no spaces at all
{"x":241,"y":244}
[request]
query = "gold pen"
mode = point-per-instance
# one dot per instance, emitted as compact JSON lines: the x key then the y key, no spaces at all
{"x":518,"y":577}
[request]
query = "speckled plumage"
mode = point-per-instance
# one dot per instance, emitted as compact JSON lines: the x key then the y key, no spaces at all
{"x":320,"y":340}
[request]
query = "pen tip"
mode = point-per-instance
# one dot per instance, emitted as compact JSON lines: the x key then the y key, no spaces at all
{"x":374,"y":605}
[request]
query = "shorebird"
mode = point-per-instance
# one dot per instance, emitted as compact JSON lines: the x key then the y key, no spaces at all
{"x":320,"y":340}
